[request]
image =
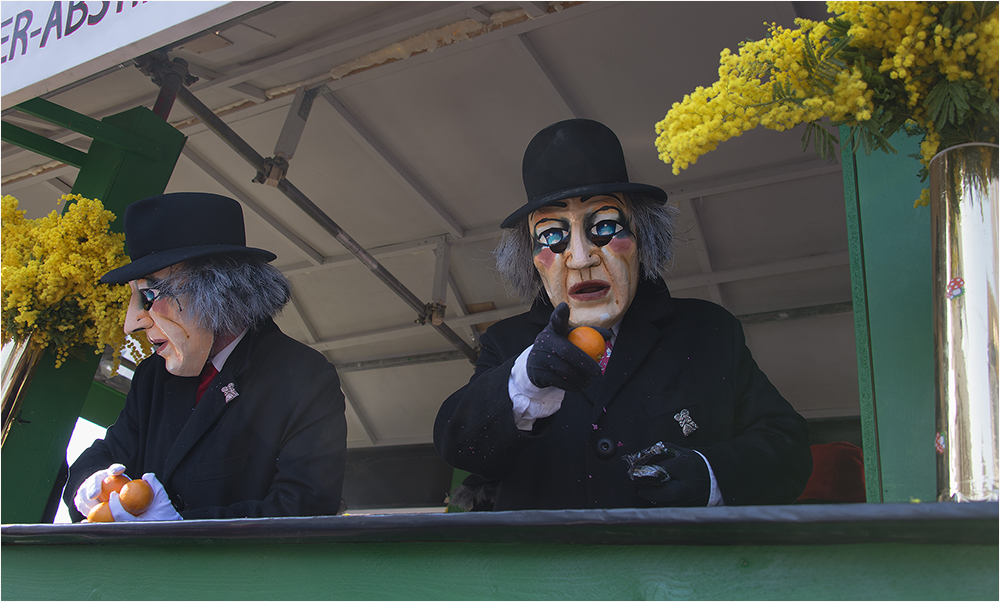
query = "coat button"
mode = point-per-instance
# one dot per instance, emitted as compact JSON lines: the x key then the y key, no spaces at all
{"x":605,"y":448}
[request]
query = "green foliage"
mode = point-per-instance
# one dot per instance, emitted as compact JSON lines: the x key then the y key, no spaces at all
{"x":825,"y":142}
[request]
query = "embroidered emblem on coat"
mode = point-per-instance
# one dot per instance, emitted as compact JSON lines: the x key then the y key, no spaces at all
{"x":687,"y":424}
{"x":230,"y":392}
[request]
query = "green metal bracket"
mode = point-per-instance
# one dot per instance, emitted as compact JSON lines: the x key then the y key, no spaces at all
{"x":132,"y":156}
{"x":92,"y":128}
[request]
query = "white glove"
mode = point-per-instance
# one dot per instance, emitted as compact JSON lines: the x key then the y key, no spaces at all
{"x":159,"y":509}
{"x":86,"y":494}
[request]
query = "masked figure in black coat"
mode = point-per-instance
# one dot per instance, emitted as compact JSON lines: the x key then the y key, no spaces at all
{"x":676,"y":413}
{"x":230,"y":417}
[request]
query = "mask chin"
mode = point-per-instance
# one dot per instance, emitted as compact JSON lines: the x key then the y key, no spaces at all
{"x":188,"y":353}
{"x":191,"y":364}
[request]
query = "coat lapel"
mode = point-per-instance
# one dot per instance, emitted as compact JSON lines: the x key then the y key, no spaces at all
{"x":638,"y":334}
{"x":212,"y":405}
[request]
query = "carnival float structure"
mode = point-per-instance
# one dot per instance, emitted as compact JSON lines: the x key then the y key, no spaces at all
{"x":375,"y":148}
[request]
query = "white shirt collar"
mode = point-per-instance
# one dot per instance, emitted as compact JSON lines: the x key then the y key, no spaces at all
{"x":220,"y":358}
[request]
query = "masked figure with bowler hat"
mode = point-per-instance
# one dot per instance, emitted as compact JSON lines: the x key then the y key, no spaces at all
{"x":229,"y":417}
{"x":676,"y":412}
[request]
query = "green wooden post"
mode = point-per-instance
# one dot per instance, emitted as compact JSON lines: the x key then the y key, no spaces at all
{"x":890,"y":244}
{"x":131,"y":157}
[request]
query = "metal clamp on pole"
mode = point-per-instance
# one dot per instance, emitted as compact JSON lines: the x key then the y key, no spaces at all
{"x":433,"y":313}
{"x":169,"y":75}
{"x":275,"y":170}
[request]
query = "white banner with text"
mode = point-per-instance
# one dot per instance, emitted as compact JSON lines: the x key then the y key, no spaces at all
{"x":47,"y":45}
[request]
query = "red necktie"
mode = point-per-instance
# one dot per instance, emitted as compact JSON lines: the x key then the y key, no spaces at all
{"x":207,"y":374}
{"x":606,"y":356}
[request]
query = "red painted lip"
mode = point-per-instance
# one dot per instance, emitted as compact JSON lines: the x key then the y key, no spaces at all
{"x":589,"y":290}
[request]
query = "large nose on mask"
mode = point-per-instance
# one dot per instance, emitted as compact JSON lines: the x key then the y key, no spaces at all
{"x":581,"y":252}
{"x":136,"y":318}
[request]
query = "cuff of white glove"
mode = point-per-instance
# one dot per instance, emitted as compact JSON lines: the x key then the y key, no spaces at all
{"x":160,"y":508}
{"x":715,"y":496}
{"x":530,"y":402}
{"x":86,"y":494}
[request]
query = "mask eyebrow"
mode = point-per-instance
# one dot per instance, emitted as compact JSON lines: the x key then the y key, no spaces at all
{"x":584,"y":199}
{"x":544,"y":220}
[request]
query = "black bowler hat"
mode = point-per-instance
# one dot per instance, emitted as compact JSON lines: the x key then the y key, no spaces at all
{"x":576,"y":157}
{"x":166,"y":229}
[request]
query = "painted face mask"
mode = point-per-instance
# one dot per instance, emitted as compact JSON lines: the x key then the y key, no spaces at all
{"x":587,"y":256}
{"x":175,"y":334}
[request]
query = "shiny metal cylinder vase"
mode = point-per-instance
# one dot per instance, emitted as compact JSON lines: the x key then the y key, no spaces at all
{"x":20,"y":364}
{"x":965,"y":226}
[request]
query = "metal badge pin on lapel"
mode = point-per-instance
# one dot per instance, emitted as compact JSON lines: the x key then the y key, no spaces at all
{"x":230,"y":392}
{"x":687,"y":424}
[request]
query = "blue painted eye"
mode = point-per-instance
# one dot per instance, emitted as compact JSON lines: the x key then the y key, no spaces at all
{"x":602,"y":232}
{"x":555,"y":239}
{"x":149,"y":295}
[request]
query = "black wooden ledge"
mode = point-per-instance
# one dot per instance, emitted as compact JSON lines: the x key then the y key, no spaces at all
{"x":933,"y":523}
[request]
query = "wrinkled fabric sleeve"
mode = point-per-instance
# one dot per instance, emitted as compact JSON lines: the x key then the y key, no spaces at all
{"x":475,"y":429}
{"x":120,"y":444}
{"x":768,"y":460}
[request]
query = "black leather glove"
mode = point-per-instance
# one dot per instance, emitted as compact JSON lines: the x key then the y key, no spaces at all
{"x":555,"y":362}
{"x":668,"y":475}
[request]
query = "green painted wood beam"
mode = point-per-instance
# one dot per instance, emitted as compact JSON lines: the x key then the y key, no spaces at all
{"x":859,"y":301}
{"x":35,"y":448}
{"x":43,"y":146}
{"x":890,"y":245}
{"x":506,"y":571}
{"x":92,"y":128}
{"x":810,"y":551}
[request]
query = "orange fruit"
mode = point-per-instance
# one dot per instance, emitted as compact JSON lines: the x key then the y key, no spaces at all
{"x":100,"y":513}
{"x":114,"y":482}
{"x":589,"y":340}
{"x":136,"y":496}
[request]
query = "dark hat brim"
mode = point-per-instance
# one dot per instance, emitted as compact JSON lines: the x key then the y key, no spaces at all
{"x":555,"y":196}
{"x":156,"y":261}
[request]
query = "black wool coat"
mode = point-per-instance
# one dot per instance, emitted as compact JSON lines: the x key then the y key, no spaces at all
{"x":670,"y":355}
{"x":276,"y":449}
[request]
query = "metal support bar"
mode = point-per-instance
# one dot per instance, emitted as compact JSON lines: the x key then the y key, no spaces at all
{"x":37,"y":143}
{"x":392,"y":164}
{"x":532,"y":61}
{"x":314,"y":257}
{"x":439,"y":293}
{"x":460,"y":308}
{"x":397,"y":362}
{"x":295,"y":123}
{"x":222,"y":129}
{"x":168,"y":75}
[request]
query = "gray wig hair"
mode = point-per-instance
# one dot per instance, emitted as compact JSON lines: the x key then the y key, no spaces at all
{"x":651,"y":221}
{"x":228,"y":293}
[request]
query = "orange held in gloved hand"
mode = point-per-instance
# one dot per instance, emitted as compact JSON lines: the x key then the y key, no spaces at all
{"x":111,"y":483}
{"x":588,"y":340}
{"x":92,"y":491}
{"x":101,"y":513}
{"x":144,"y":499}
{"x":134,"y":496}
